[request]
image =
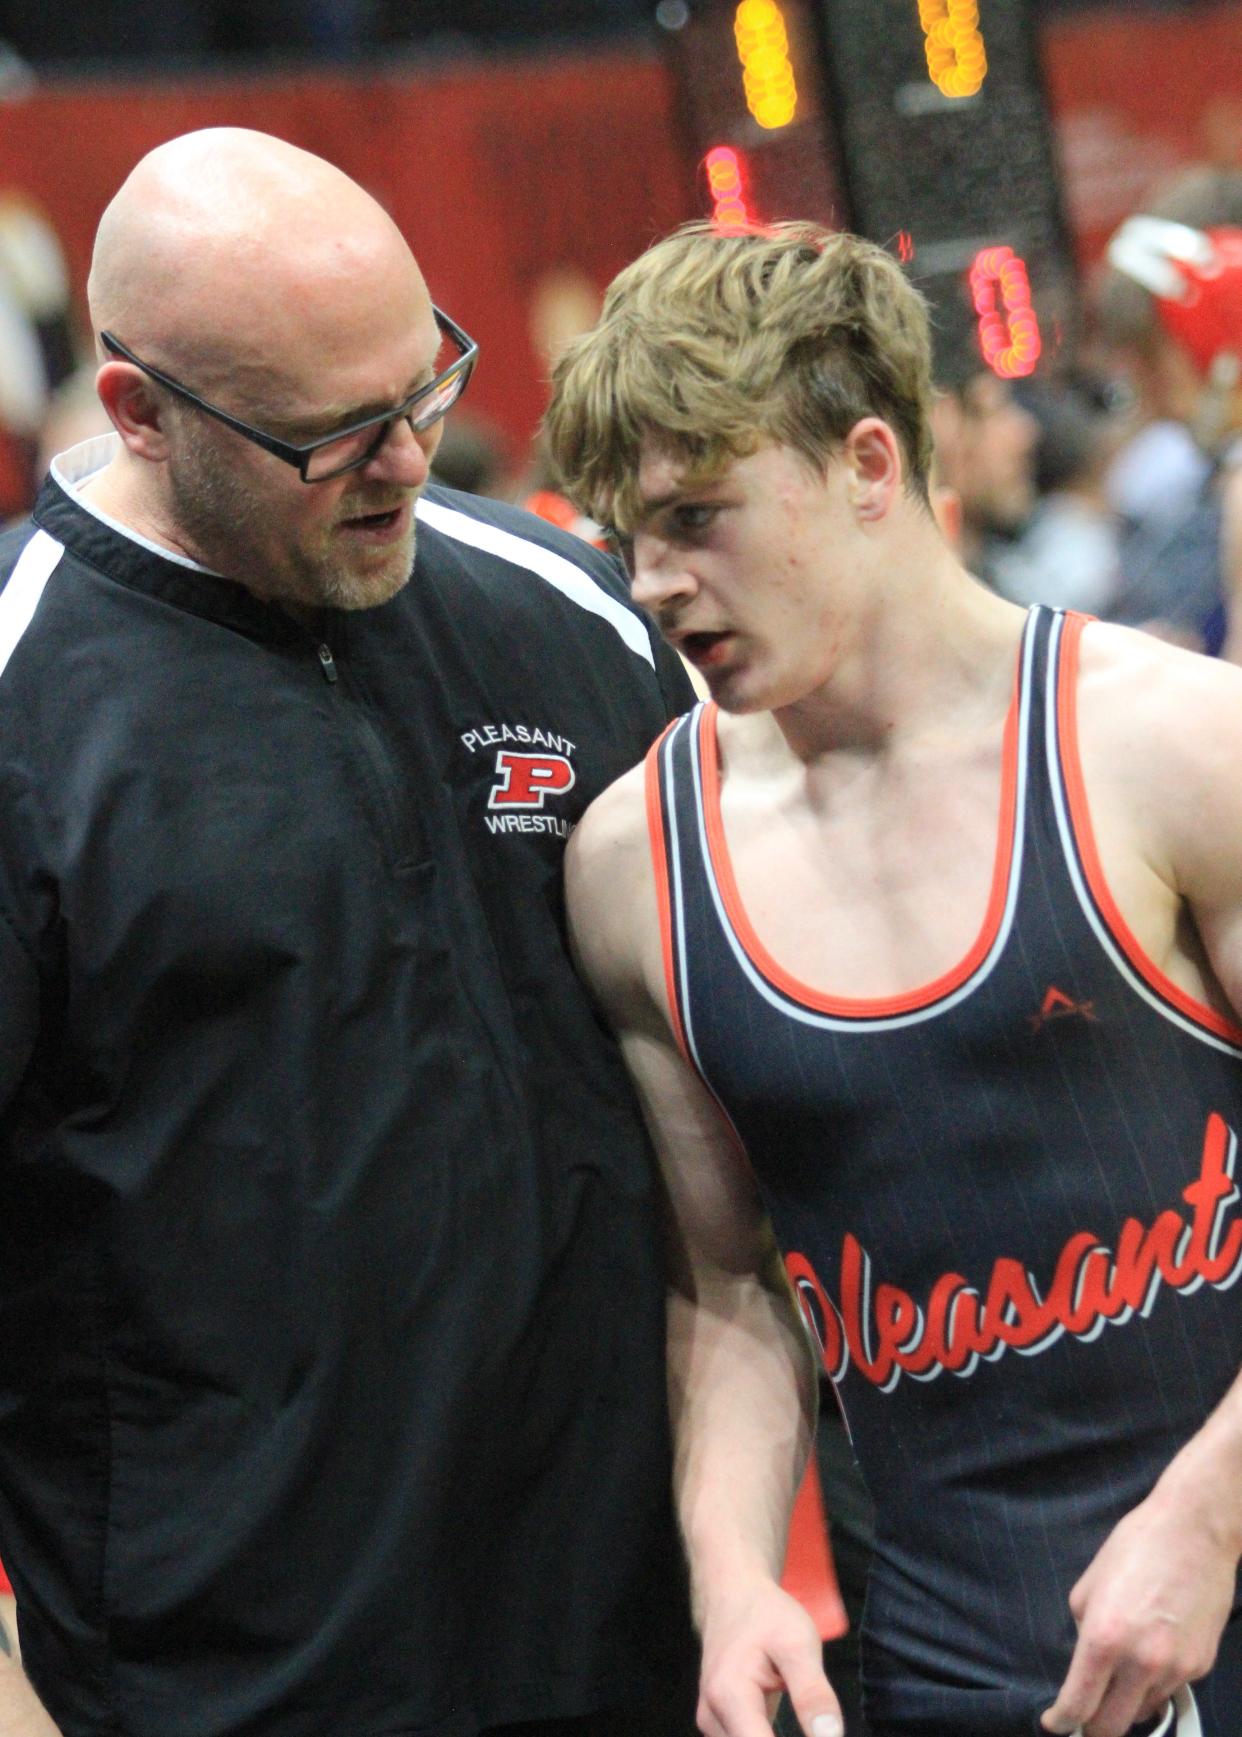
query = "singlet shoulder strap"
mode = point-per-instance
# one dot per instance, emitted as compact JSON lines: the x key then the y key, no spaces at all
{"x":1072,"y":817}
{"x":673,"y":831}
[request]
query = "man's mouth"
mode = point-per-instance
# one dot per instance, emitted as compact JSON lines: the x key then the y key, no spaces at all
{"x":388,"y":522}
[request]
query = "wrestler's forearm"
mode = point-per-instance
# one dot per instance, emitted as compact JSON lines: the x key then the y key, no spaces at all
{"x":1205,"y":1478}
{"x":1153,"y":1602}
{"x":743,"y":1400}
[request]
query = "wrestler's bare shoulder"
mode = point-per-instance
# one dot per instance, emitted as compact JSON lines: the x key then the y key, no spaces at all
{"x":611,"y":837}
{"x":610,"y":891}
{"x":1140,"y":696}
{"x":1158,"y":732}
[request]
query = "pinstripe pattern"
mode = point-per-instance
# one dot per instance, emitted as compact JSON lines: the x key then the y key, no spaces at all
{"x":978,"y":1186}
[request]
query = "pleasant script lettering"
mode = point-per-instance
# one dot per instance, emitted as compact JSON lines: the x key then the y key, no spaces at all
{"x":885,"y":1333}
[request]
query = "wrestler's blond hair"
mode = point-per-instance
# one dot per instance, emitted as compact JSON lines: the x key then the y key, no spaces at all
{"x":718,"y":340}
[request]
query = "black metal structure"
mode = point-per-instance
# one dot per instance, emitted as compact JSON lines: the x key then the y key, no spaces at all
{"x":878,"y":148}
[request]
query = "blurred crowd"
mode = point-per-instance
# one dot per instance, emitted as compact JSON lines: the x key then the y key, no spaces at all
{"x":1110,"y":482}
{"x":1113,"y":485}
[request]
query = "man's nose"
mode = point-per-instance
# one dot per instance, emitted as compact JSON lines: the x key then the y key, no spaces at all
{"x":404,"y":457}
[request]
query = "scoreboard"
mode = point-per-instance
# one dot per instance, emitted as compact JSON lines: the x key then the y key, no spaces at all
{"x":921,"y":124}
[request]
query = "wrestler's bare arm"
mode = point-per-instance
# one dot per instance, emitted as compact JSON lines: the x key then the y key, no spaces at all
{"x":1161,"y":735}
{"x":741,"y":1381}
{"x":21,"y":1712}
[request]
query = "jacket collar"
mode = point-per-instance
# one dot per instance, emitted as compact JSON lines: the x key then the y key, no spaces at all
{"x":130,"y":559}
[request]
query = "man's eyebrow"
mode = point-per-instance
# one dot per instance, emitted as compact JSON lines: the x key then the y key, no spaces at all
{"x":331,"y":418}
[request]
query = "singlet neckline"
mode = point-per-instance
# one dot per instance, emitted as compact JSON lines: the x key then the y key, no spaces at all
{"x":925,"y":994}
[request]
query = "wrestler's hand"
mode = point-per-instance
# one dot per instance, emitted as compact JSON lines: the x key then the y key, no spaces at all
{"x":1150,"y":1610}
{"x":756,"y":1642}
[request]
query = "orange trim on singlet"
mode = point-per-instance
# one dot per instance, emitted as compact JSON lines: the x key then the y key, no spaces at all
{"x":864,"y":1007}
{"x":1084,"y":835}
{"x":664,"y":901}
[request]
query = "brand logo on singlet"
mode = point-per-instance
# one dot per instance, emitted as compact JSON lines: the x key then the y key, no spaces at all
{"x":1057,"y":1005}
{"x":526,"y":776}
{"x":886,"y":1334}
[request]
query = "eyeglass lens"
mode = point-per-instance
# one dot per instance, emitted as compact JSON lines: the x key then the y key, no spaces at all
{"x":354,"y":450}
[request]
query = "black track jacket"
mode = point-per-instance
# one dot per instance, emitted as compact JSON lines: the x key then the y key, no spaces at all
{"x":331,"y":1330}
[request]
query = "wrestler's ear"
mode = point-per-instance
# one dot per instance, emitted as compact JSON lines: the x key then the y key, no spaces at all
{"x":873,"y":454}
{"x":138,"y":411}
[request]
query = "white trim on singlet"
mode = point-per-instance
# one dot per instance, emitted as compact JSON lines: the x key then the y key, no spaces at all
{"x":20,"y":597}
{"x":860,"y":1022}
{"x":554,"y":569}
{"x":1069,"y":850}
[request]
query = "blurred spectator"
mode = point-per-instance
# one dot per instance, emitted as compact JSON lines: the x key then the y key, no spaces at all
{"x":36,"y":341}
{"x":1157,"y":473}
{"x":1169,"y":311}
{"x":73,"y":414}
{"x":540,"y":493}
{"x":985,"y":442}
{"x":1069,"y":553}
{"x":472,"y":456}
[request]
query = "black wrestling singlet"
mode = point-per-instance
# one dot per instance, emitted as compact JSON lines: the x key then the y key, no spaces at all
{"x":1007,"y":1204}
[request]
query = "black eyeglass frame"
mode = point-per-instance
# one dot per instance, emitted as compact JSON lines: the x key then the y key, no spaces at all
{"x":300,"y":456}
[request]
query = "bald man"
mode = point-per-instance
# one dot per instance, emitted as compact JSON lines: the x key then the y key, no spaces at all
{"x":331,"y":1331}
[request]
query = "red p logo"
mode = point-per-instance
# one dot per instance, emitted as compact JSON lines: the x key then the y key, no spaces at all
{"x":525,"y":779}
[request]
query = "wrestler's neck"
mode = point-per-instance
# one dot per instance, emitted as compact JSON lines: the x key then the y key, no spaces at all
{"x":927,"y":657}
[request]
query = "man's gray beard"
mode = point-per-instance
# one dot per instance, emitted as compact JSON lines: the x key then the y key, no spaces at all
{"x":341,"y":589}
{"x":219,"y":518}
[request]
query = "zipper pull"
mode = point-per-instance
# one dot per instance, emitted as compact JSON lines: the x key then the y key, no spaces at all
{"x":325,"y":658}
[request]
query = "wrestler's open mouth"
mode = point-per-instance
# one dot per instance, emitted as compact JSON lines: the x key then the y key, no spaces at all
{"x":704,"y":648}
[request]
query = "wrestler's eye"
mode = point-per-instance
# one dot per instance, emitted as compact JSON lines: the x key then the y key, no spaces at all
{"x":692,"y":516}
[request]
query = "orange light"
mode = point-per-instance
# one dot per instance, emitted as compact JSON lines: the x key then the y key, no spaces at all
{"x":905,"y":246}
{"x":957,"y":62}
{"x":1008,"y":328}
{"x":726,"y":181}
{"x":763,"y":49}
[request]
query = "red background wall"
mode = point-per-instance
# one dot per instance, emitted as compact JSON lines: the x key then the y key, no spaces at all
{"x":495,"y":173}
{"x":1135,"y":96}
{"x":501,"y":172}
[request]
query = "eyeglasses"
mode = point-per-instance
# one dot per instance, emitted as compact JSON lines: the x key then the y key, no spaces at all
{"x":351,"y":447}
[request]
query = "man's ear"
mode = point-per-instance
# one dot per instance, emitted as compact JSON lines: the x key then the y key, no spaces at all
{"x":873,"y":454}
{"x":134,"y":409}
